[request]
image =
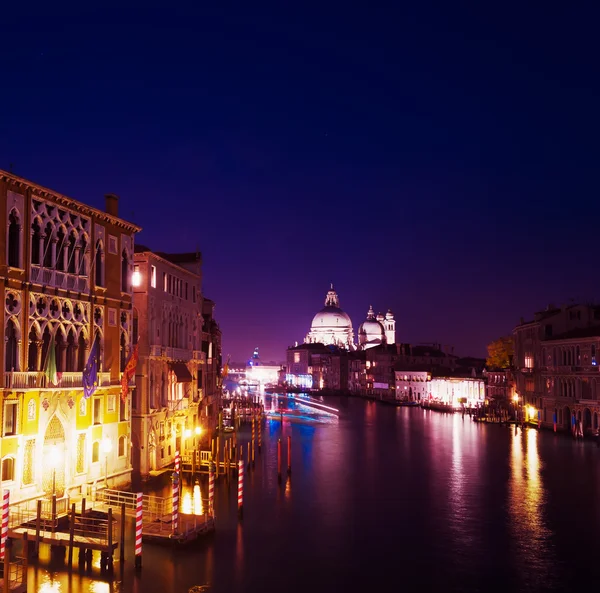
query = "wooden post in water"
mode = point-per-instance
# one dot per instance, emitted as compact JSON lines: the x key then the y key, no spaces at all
{"x":71,"y":535}
{"x":249,"y":457}
{"x":25,"y":555}
{"x":38,"y":525}
{"x":279,"y":460}
{"x":252,"y":453}
{"x":122,"y":543}
{"x":289,"y":469}
{"x":53,"y":512}
{"x":217,"y":455}
{"x":109,"y":537}
{"x":83,"y":507}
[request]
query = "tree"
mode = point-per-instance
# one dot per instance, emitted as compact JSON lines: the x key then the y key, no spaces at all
{"x":500,"y":353}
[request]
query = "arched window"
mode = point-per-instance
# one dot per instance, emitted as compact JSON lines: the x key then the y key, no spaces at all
{"x":14,"y":240}
{"x":11,"y":358}
{"x":83,"y":256}
{"x":70,"y":354}
{"x":36,"y":242}
{"x":135,"y":327}
{"x":59,"y":340}
{"x":60,"y":249}
{"x":98,"y":263}
{"x":32,"y":353}
{"x":96,"y":452}
{"x":71,"y":268}
{"x":123,"y":348}
{"x":48,"y":261}
{"x":46,"y":337}
{"x":81,"y":358}
{"x":8,"y":468}
{"x":124,"y":272}
{"x":122,"y":445}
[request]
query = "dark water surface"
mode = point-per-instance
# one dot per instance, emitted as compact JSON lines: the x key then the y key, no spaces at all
{"x":388,"y":499}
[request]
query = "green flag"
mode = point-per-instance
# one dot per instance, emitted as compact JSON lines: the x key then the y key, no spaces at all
{"x":50,"y":370}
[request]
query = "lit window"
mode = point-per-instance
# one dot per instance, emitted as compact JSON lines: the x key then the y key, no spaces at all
{"x":97,"y":411}
{"x":296,"y":356}
{"x":153,"y":276}
{"x":8,"y":468}
{"x":528,"y":360}
{"x":136,"y":278}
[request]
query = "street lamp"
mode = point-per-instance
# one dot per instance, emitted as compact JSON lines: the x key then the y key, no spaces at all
{"x":107,"y":448}
{"x":54,"y":458}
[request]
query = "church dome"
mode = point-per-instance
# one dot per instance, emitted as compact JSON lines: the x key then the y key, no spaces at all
{"x":331,"y":317}
{"x":371,"y":331}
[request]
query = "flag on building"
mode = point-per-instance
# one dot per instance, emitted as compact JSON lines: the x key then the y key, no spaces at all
{"x":90,"y":371}
{"x":129,"y":372}
{"x":53,"y":377}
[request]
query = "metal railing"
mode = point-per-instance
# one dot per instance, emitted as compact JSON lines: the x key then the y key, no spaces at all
{"x":37,"y":379}
{"x":93,"y":527}
{"x":25,"y":512}
{"x":58,"y":279}
{"x":115,"y":498}
{"x":16,"y":574}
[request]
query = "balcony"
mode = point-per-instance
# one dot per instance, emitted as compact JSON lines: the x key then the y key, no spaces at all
{"x":178,"y":353}
{"x":156,"y":350}
{"x":177,"y":405}
{"x":56,"y":279}
{"x":37,"y":380}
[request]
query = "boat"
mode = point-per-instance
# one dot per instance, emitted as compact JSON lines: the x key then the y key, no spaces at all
{"x":407,"y":403}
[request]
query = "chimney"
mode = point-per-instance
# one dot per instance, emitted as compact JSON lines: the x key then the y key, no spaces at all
{"x":112,"y":204}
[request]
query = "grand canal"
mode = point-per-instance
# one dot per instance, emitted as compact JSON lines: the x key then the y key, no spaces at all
{"x":388,"y":499}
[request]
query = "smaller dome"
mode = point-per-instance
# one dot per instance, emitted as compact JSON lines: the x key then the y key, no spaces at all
{"x":389,"y":314}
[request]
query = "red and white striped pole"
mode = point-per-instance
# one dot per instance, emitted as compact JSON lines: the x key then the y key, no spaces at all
{"x":177,"y":461}
{"x":175,"y":503}
{"x":138,"y":530}
{"x":240,"y":488}
{"x":5,"y":498}
{"x":211,"y":489}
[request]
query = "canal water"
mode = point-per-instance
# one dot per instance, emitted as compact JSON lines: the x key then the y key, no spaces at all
{"x":387,"y":499}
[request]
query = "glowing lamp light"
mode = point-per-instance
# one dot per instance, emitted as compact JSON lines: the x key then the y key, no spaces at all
{"x":198,"y":430}
{"x":106,"y":445}
{"x":54,"y":456}
{"x":516,"y":397}
{"x":136,"y":278}
{"x":187,"y":433}
{"x":531,"y":411}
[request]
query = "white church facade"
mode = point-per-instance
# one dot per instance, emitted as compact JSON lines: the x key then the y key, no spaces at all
{"x":332,"y":326}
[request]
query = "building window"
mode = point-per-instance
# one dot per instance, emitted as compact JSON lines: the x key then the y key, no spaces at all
{"x":28,"y":461}
{"x":153,"y":276}
{"x":296,"y":357}
{"x":124,"y":272}
{"x":60,"y":249}
{"x":528,"y":360}
{"x":112,"y":317}
{"x":71,"y":264}
{"x":36,"y":242}
{"x":96,"y":452}
{"x":10,"y":418}
{"x":97,"y":411}
{"x":111,"y":403}
{"x":80,"y":462}
{"x":83,"y":406}
{"x":165,"y":282}
{"x":122,"y":447}
{"x":112,"y":244}
{"x":8,"y":469}
{"x":31,"y":409}
{"x":10,"y":357}
{"x":83,"y":256}
{"x":14,"y":240}
{"x":123,"y":407}
{"x":99,"y":262}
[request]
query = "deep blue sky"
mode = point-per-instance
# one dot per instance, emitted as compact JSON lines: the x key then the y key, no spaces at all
{"x":437,"y":158}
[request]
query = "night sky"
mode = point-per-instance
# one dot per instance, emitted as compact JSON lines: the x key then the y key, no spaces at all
{"x":437,"y":159}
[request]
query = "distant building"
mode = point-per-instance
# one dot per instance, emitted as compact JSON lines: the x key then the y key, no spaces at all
{"x":556,"y":367}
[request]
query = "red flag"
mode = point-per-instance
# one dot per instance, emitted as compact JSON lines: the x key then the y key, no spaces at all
{"x":129,"y":372}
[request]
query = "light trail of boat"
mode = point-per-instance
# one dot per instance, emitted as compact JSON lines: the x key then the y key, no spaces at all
{"x":307,"y":402}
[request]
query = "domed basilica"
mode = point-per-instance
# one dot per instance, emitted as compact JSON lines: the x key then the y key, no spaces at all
{"x":332,"y":326}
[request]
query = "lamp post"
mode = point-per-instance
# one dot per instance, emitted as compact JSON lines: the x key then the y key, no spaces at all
{"x":516,"y":400}
{"x":54,"y":458}
{"x":107,"y":448}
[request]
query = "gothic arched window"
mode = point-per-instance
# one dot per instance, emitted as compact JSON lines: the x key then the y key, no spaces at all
{"x":59,"y":340}
{"x":60,"y":249}
{"x":48,"y":261}
{"x":83,"y":256}
{"x":71,"y":253}
{"x":81,"y":353}
{"x":11,"y":358}
{"x":36,"y":242}
{"x":32,"y":354}
{"x":14,"y":240}
{"x":46,"y":337}
{"x":70,"y":354}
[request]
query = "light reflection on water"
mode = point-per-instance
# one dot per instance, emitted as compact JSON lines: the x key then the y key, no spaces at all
{"x":381,"y":495}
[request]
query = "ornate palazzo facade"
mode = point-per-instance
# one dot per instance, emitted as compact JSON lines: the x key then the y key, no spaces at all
{"x":66,"y":278}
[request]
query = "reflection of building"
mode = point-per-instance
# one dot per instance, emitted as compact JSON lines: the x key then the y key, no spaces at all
{"x":168,"y":301}
{"x":556,"y":366}
{"x":66,"y":278}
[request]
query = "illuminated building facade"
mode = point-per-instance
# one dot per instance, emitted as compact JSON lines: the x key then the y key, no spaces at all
{"x":457,"y":392}
{"x":412,"y":385}
{"x":66,"y":279}
{"x":331,"y":325}
{"x":377,"y":330}
{"x":556,"y":367}
{"x":167,"y":406}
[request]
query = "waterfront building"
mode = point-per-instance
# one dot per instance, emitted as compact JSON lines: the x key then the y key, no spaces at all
{"x":166,"y":408}
{"x":262,"y":374}
{"x":66,"y":281}
{"x":331,"y":325}
{"x":555,"y":366}
{"x":413,"y":384}
{"x":456,"y":390}
{"x":500,"y":385}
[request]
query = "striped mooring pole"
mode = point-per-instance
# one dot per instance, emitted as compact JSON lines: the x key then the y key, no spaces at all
{"x":138,"y":530}
{"x":177,"y":461}
{"x":175,"y":502}
{"x":211,"y":489}
{"x":240,"y":489}
{"x":259,"y":434}
{"x":5,"y":497}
